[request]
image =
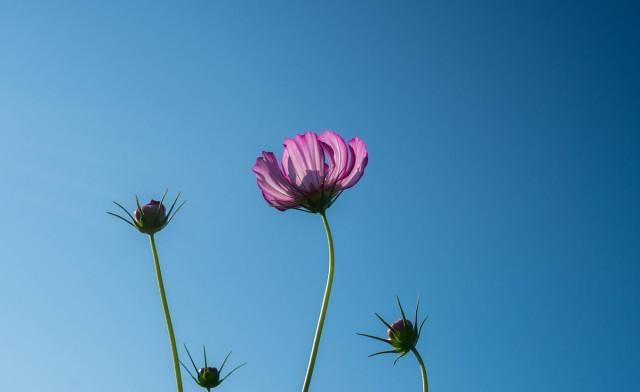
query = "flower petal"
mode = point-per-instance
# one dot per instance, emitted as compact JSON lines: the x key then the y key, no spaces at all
{"x":340,"y":157}
{"x":360,"y":159}
{"x":277,"y":191}
{"x":303,"y":162}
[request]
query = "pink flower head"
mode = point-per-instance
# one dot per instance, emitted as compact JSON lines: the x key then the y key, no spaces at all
{"x":315,"y":170}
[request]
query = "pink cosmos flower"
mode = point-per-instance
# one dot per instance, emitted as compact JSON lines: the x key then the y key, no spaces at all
{"x":315,"y":170}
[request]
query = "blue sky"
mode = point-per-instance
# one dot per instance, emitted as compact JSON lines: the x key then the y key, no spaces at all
{"x":502,"y":188}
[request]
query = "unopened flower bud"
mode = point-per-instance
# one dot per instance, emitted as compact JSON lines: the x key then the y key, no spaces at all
{"x":151,"y":217}
{"x":208,"y":377}
{"x":399,"y":327}
{"x":402,"y":335}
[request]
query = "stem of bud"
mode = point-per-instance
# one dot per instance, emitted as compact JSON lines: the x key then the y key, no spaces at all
{"x":423,"y":370}
{"x":167,"y":315}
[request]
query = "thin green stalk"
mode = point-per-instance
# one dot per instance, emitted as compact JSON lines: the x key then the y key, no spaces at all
{"x":167,"y":315}
{"x":323,"y":309}
{"x":423,"y":370}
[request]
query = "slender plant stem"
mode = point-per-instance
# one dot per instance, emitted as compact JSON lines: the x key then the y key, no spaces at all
{"x":167,"y":315}
{"x":423,"y":370}
{"x":323,"y":309}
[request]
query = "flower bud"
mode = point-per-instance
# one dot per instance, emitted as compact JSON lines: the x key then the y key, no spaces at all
{"x":208,"y":377}
{"x":399,"y":327}
{"x":402,"y":335}
{"x":151,"y":217}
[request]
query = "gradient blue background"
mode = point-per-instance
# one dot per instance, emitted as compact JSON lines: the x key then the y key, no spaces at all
{"x":504,"y":142}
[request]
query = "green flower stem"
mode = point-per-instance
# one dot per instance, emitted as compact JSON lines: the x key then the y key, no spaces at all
{"x":423,"y":370}
{"x":323,"y":309}
{"x":167,"y":316}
